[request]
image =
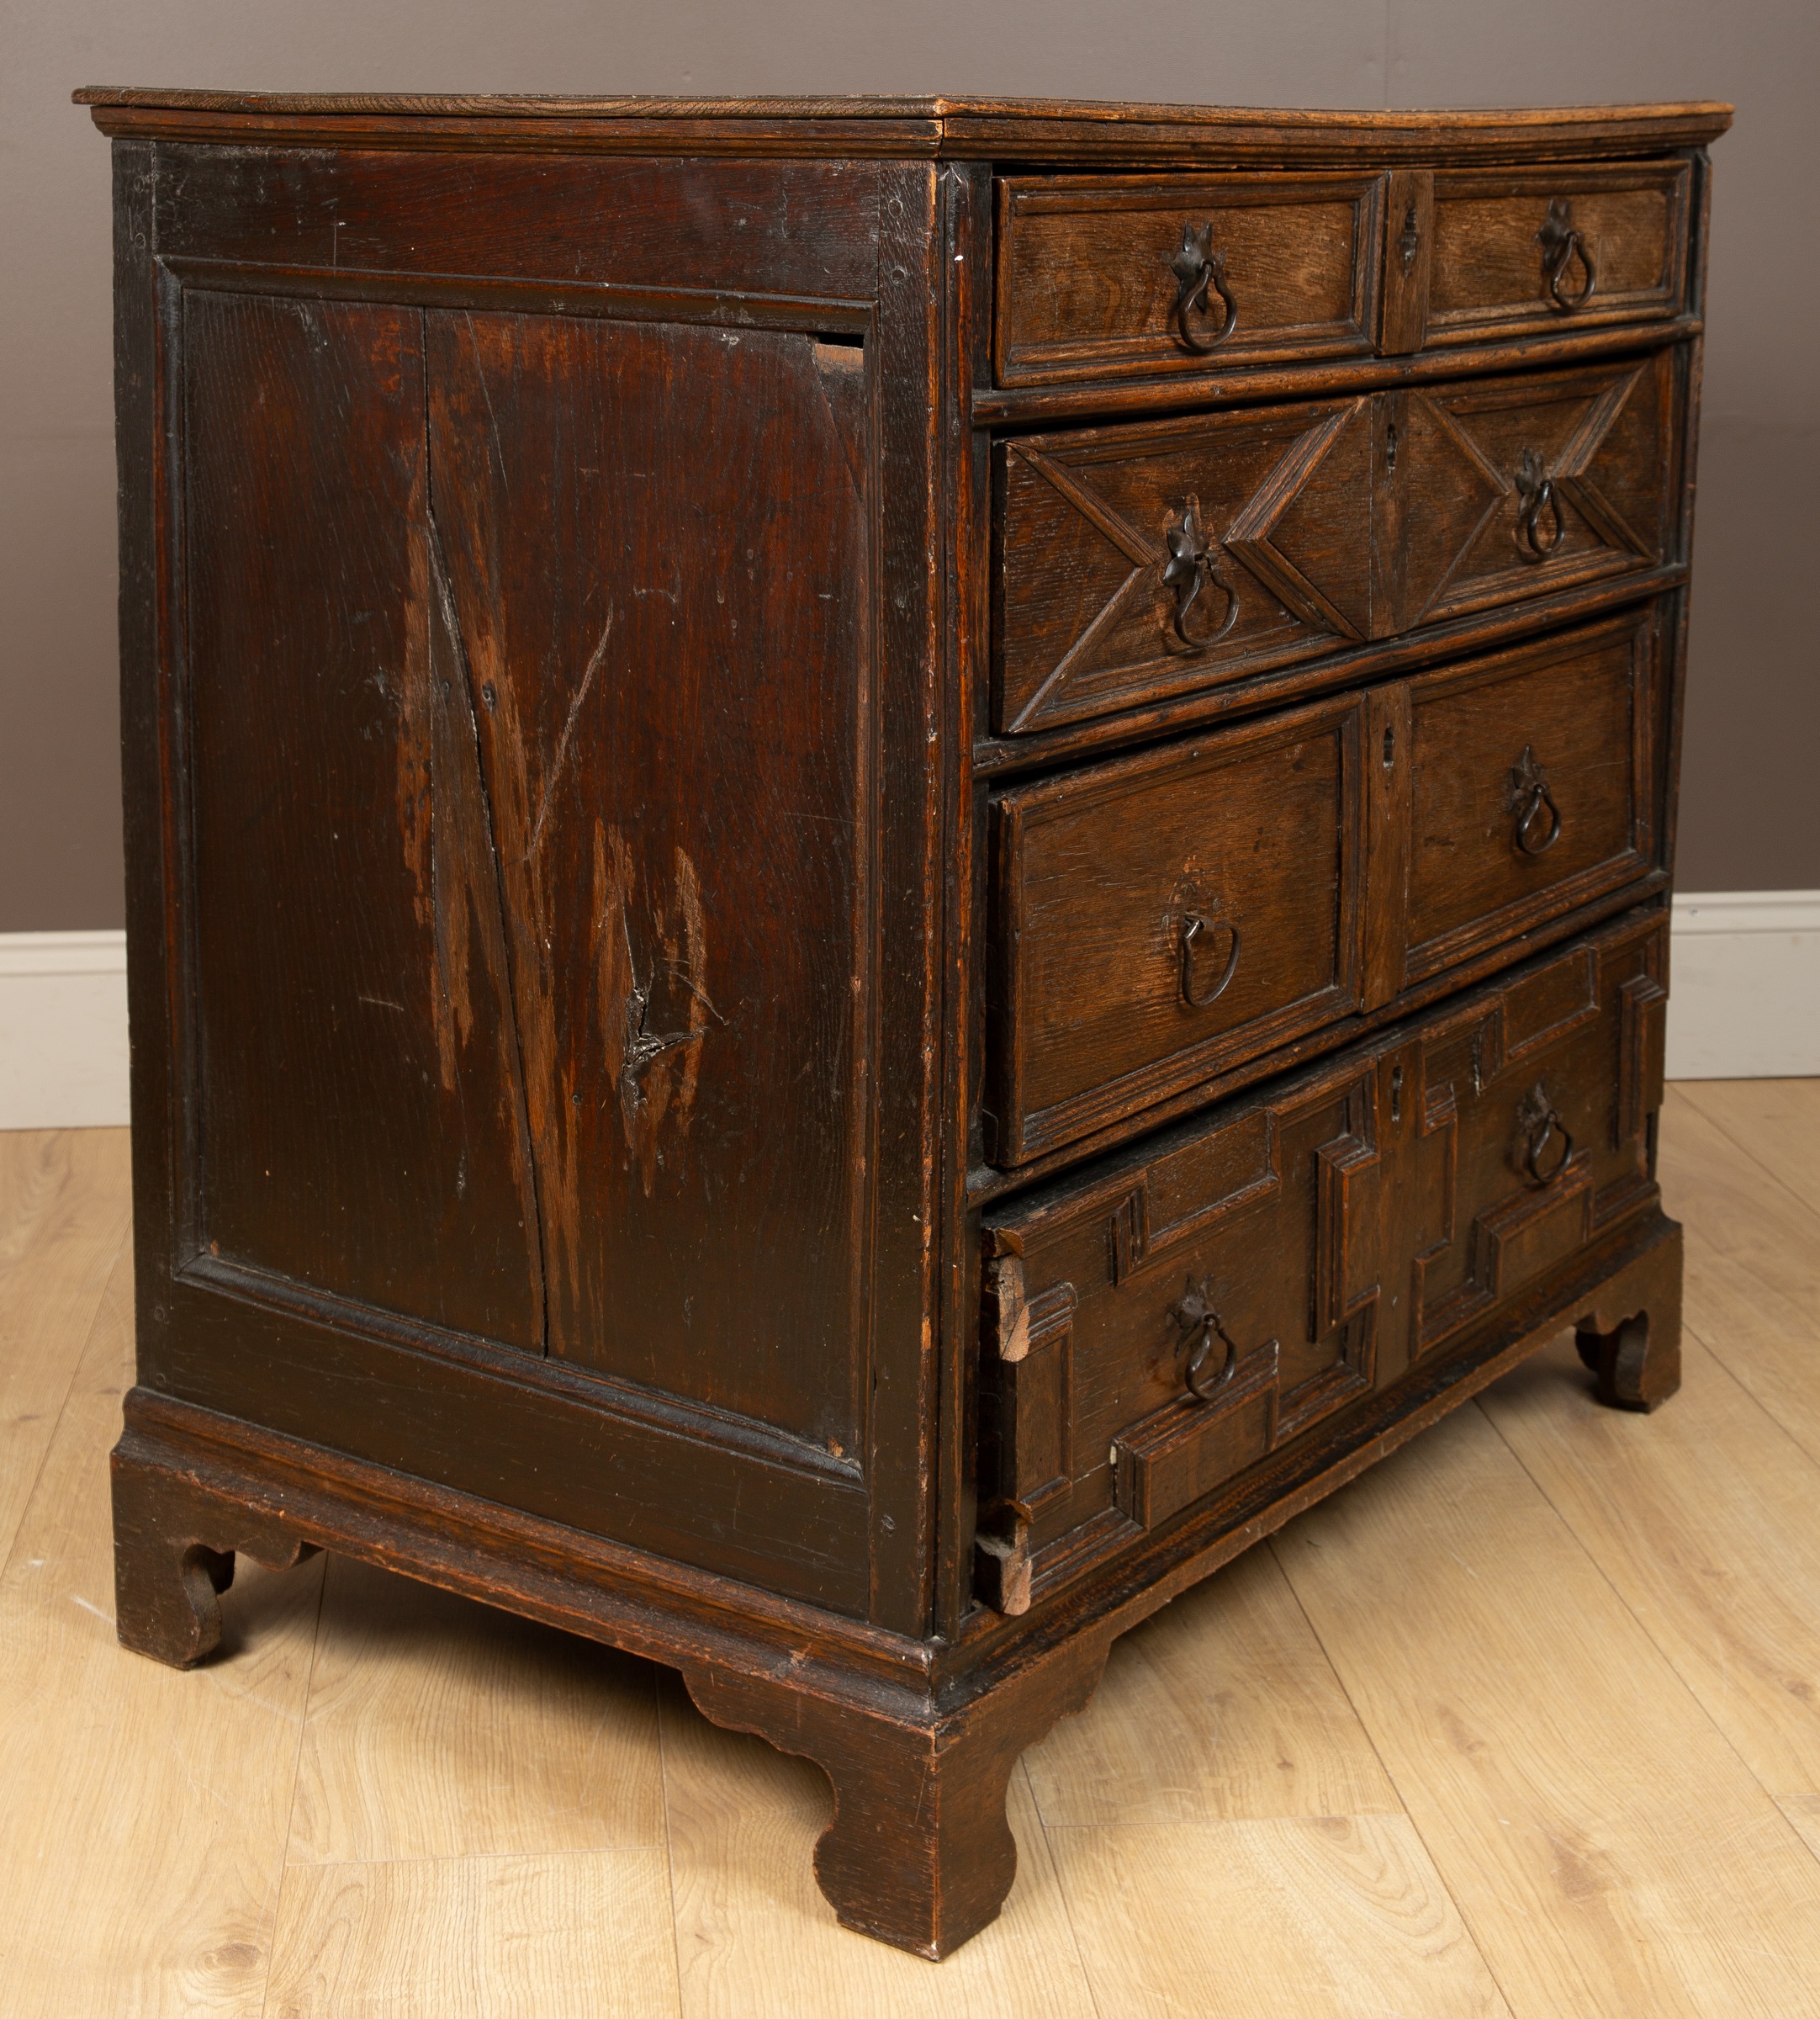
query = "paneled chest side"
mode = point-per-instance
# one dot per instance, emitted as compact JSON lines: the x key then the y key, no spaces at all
{"x":892,"y":862}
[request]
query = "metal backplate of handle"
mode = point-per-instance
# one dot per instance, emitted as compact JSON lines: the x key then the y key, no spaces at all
{"x":1562,"y":248}
{"x":1200,"y":271}
{"x":1191,"y":567}
{"x":1538,"y":818}
{"x":1196,"y":1315}
{"x":1195,"y":932}
{"x":1547,"y":1147}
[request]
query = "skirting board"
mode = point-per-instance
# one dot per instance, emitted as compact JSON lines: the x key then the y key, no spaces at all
{"x":1744,"y":1004}
{"x":1744,"y":985}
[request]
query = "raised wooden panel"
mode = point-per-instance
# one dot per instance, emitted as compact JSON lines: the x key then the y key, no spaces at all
{"x":1499,"y":269}
{"x":360,"y":1102}
{"x":1532,"y":788}
{"x":1224,"y":1221}
{"x":1553,"y":1083}
{"x":1087,"y":287}
{"x":1164,"y":916}
{"x":659,"y":605}
{"x":1584,"y":481}
{"x":1083,"y":617}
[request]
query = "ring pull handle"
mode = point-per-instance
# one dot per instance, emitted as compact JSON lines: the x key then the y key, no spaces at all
{"x":1562,"y":245}
{"x":1191,"y":566}
{"x":1198,"y":268}
{"x":1548,"y":1146}
{"x":1538,"y":818}
{"x":1197,"y":1319}
{"x":1535,"y":496}
{"x":1194,"y":926}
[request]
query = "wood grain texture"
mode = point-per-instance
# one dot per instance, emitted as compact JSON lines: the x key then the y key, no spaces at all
{"x":1592,"y":1881}
{"x":1223,"y":1706}
{"x":584,"y":1935}
{"x":1284,"y":1918}
{"x":143,"y":1870}
{"x":1753,"y":1267}
{"x":1775,"y":1122}
{"x":1198,"y":1709}
{"x":1699,"y":1519}
{"x":64,"y":1263}
{"x":755,"y":1938}
{"x":545,"y":597}
{"x":391,"y":1768}
{"x":1031,"y":130}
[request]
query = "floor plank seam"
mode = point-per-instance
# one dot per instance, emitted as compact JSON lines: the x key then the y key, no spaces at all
{"x":1667,"y":1660}
{"x":1061,"y":1886}
{"x":1743,"y":1148}
{"x":1274,"y":1545}
{"x":290,"y":1811}
{"x":10,"y":1543}
{"x":669,"y":1851}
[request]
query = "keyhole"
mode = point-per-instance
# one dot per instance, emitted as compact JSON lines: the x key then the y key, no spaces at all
{"x":1396,"y":1094}
{"x":1390,"y":446}
{"x":1390,"y":748}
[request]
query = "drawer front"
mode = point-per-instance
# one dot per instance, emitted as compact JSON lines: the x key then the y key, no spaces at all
{"x":1529,"y":788}
{"x":1159,"y":1324}
{"x":1165,"y":916}
{"x":1105,"y":277}
{"x":1515,"y":252}
{"x":1136,"y":564}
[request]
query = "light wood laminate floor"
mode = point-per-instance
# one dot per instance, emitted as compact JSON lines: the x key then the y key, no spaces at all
{"x":1525,"y":1722}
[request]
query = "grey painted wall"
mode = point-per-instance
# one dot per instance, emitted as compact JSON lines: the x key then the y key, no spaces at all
{"x":1750,"y":808}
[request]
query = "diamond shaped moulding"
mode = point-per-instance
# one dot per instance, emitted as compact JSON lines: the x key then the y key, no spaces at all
{"x":1307,"y":533}
{"x":1330,"y":523}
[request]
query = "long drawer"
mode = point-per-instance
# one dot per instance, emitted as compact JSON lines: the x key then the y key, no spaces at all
{"x":1172,"y":1315}
{"x":1138,"y":563}
{"x":1164,"y":918}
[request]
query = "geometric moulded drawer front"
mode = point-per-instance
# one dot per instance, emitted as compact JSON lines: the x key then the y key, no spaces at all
{"x":1145,"y":561}
{"x":1170,"y":1318}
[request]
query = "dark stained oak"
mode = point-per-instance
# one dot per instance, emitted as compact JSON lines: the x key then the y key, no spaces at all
{"x":891,"y":863}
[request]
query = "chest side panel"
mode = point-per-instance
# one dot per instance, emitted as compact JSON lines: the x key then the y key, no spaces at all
{"x":518,"y":751}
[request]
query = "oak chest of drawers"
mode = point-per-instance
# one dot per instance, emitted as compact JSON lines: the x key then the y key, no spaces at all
{"x":891,"y":863}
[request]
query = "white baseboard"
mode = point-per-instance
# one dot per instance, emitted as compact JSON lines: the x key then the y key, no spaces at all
{"x":62,"y":1030}
{"x":1744,"y":1004}
{"x":1744,"y":985}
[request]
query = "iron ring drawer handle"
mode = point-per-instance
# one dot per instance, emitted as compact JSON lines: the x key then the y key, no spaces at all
{"x":1190,"y":567}
{"x":1535,"y":492}
{"x":1540,"y":1122}
{"x":1561,"y":246}
{"x":1538,"y":818}
{"x":1193,"y":927}
{"x":1195,"y":1314}
{"x":1198,"y":268}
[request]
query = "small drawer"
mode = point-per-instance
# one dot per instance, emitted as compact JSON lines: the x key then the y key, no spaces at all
{"x":1155,"y":1327}
{"x":1517,"y":252}
{"x":1136,"y":564}
{"x":1163,"y":917}
{"x":1106,"y":276}
{"x":1530,"y":789}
